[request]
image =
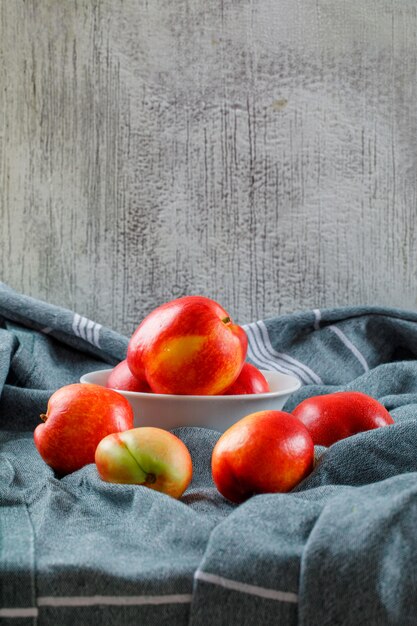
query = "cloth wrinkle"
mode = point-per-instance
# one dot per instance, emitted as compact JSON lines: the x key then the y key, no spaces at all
{"x":339,"y":548}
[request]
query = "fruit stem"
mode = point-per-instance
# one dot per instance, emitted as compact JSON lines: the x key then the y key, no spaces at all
{"x":43,"y":417}
{"x":226,"y":320}
{"x":150,"y":478}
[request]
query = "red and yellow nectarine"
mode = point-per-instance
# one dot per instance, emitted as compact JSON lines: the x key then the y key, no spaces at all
{"x":265,"y":452}
{"x":250,"y":380}
{"x":146,"y":456}
{"x":77,"y":418}
{"x":334,"y":416}
{"x":122,"y":378}
{"x":188,"y":346}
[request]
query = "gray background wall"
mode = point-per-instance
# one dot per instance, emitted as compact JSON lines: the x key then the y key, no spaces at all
{"x":260,"y":152}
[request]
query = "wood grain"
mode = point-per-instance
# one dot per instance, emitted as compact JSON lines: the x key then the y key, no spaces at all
{"x":263,"y":153}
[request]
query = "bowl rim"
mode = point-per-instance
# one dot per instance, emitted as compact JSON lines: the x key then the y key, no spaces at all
{"x":250,"y":397}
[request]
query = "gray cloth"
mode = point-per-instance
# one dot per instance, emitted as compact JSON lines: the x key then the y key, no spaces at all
{"x":340,"y":549}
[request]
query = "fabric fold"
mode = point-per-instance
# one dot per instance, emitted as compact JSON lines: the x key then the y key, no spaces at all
{"x":340,"y":548}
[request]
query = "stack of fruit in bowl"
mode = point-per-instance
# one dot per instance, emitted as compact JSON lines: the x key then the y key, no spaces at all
{"x":189,"y":346}
{"x":186,"y":365}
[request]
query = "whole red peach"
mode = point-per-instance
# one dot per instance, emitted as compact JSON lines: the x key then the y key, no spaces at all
{"x":250,"y":380}
{"x":122,"y":378}
{"x":77,"y":418}
{"x":334,"y":416}
{"x":265,"y":452}
{"x":188,"y":346}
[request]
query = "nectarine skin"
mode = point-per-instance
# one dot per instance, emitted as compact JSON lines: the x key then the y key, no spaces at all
{"x":122,"y":378}
{"x":334,"y":416}
{"x":188,"y":347}
{"x":77,"y":418}
{"x":147,"y":456}
{"x":250,"y":380}
{"x":265,"y":452}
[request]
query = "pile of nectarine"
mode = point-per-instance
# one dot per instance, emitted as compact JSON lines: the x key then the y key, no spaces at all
{"x":191,"y":346}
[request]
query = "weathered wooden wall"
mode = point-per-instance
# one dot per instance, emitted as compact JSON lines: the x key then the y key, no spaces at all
{"x":261,"y":152}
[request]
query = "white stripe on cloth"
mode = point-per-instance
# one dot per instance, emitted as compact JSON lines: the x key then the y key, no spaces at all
{"x":261,"y":361}
{"x":82,"y":326}
{"x":284,"y":365}
{"x":253,"y":590}
{"x":75,"y":322}
{"x":96,"y":336}
{"x":350,"y":346}
{"x":19,"y":612}
{"x":294,"y":363}
{"x":86,"y":329}
{"x":89,"y":331}
{"x":66,"y":601}
{"x":270,"y":355}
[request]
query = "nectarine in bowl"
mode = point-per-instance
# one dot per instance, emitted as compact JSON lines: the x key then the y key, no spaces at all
{"x":216,"y":412}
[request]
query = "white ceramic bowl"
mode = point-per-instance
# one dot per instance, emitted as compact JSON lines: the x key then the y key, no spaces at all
{"x":216,"y":412}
